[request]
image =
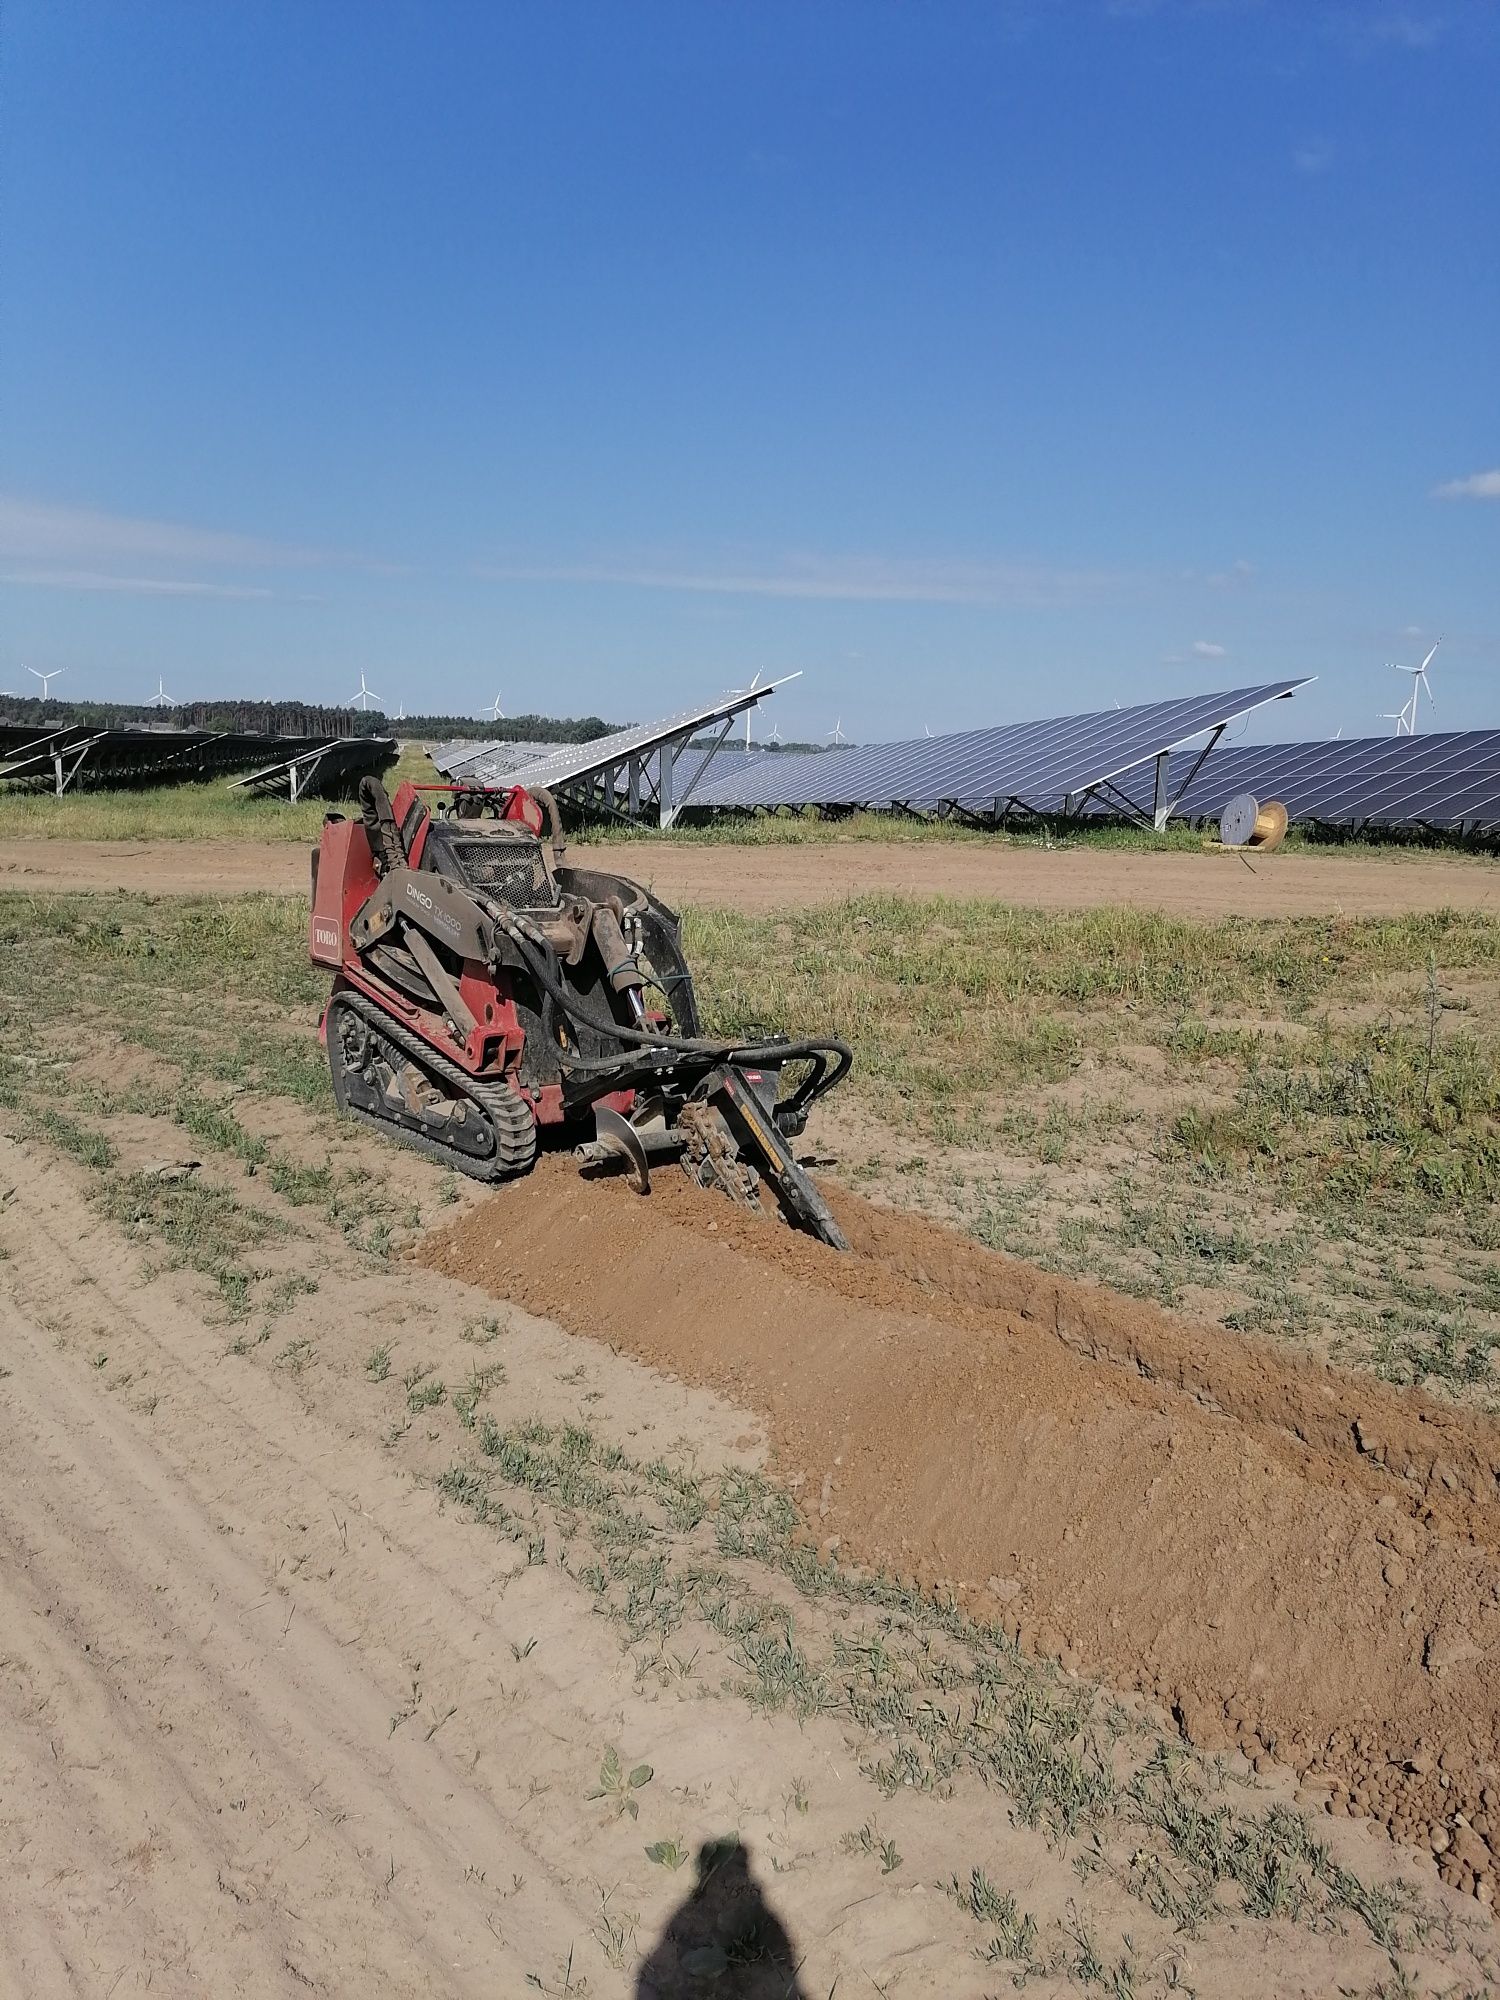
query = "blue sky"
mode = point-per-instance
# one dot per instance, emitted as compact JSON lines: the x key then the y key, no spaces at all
{"x":981,"y":361}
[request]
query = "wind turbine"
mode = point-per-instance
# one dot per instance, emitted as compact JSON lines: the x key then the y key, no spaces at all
{"x":773,"y":735}
{"x":495,"y":712}
{"x":836,"y":734}
{"x":161,"y":699}
{"x":754,"y":683}
{"x":366,"y":697}
{"x":47,"y":679}
{"x":1406,"y":721}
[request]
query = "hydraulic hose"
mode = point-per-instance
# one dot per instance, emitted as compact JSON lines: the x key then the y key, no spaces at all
{"x":644,"y":1038}
{"x":545,"y":799}
{"x":386,"y":845}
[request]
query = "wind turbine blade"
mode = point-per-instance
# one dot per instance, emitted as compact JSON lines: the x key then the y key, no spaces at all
{"x":1428,"y":661}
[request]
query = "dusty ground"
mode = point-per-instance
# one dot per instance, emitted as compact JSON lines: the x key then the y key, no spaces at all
{"x":278,"y":1718}
{"x":767,"y":878}
{"x":400,"y":1584}
{"x":341,"y":1606}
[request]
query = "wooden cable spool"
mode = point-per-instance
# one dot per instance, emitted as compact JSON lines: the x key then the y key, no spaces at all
{"x":1245,"y":822}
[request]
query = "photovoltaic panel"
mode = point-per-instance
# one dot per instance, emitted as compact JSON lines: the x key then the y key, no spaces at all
{"x":565,"y":763}
{"x":324,"y":769}
{"x":485,"y":763}
{"x":74,"y":755}
{"x":1048,"y":767}
{"x":1448,"y":779}
{"x":495,"y":763}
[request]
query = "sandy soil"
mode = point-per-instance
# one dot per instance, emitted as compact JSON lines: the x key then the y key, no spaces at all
{"x":1160,"y":1503}
{"x":765,"y":878}
{"x":274,"y":1719}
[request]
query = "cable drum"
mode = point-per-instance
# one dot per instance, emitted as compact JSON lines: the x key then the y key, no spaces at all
{"x":1245,"y":822}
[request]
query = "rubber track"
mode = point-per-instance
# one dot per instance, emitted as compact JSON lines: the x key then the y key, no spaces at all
{"x":508,"y":1112}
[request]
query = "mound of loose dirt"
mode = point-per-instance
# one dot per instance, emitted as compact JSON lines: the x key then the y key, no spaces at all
{"x":1293,"y":1561}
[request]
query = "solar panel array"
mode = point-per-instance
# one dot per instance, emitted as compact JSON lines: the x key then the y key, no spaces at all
{"x":485,"y":763}
{"x":1447,"y":780}
{"x":1098,"y":764}
{"x":1051,"y":767}
{"x":326,"y":770}
{"x":73,"y":756}
{"x":567,"y":763}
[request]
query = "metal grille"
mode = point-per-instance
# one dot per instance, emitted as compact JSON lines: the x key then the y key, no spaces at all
{"x":507,"y":867}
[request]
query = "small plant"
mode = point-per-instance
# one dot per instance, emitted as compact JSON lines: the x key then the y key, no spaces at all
{"x":1015,"y":1931}
{"x":618,"y":1785}
{"x":867,"y":1840}
{"x":613,"y":1934}
{"x":480,"y":1332}
{"x":667,"y":1854}
{"x":407,"y":1709}
{"x":425,"y":1395}
{"x":467,"y":1399}
{"x":378,"y":1362}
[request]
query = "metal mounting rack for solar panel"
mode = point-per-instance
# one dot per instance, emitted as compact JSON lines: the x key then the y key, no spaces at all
{"x":43,"y":754}
{"x":1108,"y":789}
{"x":304,"y":775}
{"x":74,"y":754}
{"x":614,"y":774}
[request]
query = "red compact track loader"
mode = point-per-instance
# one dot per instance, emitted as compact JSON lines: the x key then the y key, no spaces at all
{"x":483,"y":990}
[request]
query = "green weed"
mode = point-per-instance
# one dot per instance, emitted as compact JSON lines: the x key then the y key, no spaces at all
{"x":620,"y":1786}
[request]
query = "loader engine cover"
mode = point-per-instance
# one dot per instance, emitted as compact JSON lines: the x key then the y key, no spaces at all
{"x":505,"y":862}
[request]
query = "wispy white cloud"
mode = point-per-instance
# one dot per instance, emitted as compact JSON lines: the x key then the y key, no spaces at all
{"x":1313,"y":156}
{"x":142,"y":586}
{"x":1366,"y":29}
{"x":1406,"y":27}
{"x":1238,"y":571}
{"x":860,"y":579}
{"x":1208,"y":649}
{"x":39,"y":531}
{"x":1478,"y":486}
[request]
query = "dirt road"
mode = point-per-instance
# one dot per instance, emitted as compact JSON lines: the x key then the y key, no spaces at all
{"x":768,"y":878}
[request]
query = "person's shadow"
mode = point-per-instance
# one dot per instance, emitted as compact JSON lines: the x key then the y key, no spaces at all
{"x":723,"y":1941}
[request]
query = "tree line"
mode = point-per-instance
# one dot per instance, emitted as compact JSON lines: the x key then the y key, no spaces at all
{"x":295,"y":718}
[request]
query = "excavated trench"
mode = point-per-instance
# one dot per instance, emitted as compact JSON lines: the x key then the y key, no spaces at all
{"x":1294,"y":1561}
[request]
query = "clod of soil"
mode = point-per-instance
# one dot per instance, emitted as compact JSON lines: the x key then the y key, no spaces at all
{"x":1292,"y":1561}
